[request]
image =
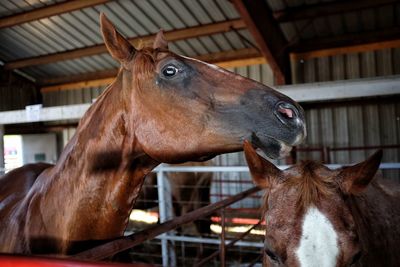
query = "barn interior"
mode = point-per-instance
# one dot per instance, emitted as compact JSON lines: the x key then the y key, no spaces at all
{"x":339,"y":59}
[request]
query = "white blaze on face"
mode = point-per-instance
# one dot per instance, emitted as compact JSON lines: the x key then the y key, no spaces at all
{"x":318,"y":245}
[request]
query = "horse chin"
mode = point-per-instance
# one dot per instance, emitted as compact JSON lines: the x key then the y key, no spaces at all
{"x":283,"y":152}
{"x":271,"y":148}
{"x":183,"y":158}
{"x":205,"y":158}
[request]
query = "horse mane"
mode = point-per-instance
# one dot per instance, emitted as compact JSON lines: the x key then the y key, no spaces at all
{"x":144,"y":63}
{"x":308,"y":184}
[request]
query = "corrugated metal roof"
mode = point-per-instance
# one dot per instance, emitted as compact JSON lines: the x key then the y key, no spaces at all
{"x":189,"y":47}
{"x":135,"y":18}
{"x":80,"y":28}
{"x":18,"y":6}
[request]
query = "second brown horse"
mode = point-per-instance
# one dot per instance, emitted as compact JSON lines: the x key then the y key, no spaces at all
{"x":161,"y":108}
{"x":316,"y":216}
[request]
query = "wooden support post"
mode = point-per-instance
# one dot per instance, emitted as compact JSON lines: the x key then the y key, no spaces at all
{"x":268,"y":35}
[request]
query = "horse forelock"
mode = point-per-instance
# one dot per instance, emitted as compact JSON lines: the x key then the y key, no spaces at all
{"x":307,"y":184}
{"x":144,"y":60}
{"x":310,"y":185}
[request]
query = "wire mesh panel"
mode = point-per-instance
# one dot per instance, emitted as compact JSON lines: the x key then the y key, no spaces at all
{"x":196,"y":241}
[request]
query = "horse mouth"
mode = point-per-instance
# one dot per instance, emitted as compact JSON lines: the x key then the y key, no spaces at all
{"x":271,"y":147}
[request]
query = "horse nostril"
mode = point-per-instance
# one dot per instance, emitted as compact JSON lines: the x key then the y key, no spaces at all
{"x":286,"y":112}
{"x":292,"y":118}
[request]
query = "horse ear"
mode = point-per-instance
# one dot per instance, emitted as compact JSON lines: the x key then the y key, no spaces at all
{"x":261,"y":170}
{"x":117,"y":45}
{"x":160,"y":42}
{"x":355,"y":179}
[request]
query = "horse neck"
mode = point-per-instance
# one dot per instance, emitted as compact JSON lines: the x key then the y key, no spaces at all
{"x":377,"y":216}
{"x":100,"y":171}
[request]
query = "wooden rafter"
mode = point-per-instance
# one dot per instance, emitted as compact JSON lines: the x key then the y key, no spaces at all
{"x":227,"y":59}
{"x":233,"y":58}
{"x":327,"y":52}
{"x":174,"y":35}
{"x":354,"y":42}
{"x":76,"y":78}
{"x":47,"y":11}
{"x":269,"y":37}
{"x":327,"y":8}
{"x":78,"y":85}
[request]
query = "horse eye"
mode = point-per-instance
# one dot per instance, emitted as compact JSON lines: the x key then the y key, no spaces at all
{"x":356,"y":258}
{"x":271,"y":255}
{"x":170,"y":71}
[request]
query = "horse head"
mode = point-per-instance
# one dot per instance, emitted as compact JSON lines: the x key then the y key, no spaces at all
{"x":184,"y":109}
{"x":306,"y":207}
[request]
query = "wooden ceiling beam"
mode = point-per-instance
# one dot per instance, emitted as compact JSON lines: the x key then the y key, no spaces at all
{"x":227,"y":59}
{"x":47,"y":11}
{"x":347,"y":43}
{"x":328,"y":52}
{"x":77,"y":78}
{"x":173,"y":35}
{"x":234,"y":58}
{"x":327,"y":8}
{"x":267,"y":34}
{"x":78,"y":85}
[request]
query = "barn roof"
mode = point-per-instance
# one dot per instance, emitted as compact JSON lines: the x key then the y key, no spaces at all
{"x":58,"y":42}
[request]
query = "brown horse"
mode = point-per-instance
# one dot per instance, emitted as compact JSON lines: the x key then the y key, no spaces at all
{"x":316,"y":216}
{"x":161,"y":108}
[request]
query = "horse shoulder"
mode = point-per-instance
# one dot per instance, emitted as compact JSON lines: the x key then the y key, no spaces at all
{"x":379,"y":212}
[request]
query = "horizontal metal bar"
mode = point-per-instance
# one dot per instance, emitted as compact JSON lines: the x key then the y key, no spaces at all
{"x":350,"y":148}
{"x":167,"y":168}
{"x":336,"y":90}
{"x":382,"y":166}
{"x":70,"y":112}
{"x":208,"y":241}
